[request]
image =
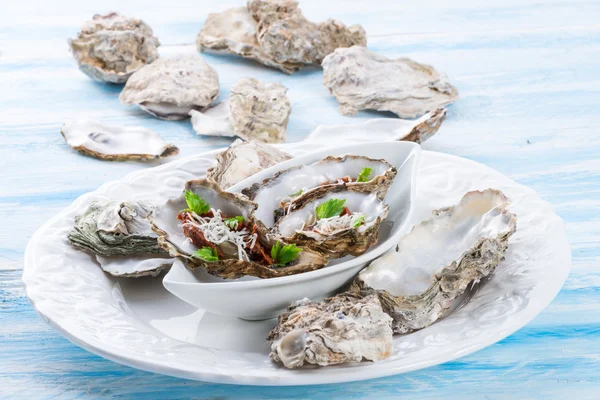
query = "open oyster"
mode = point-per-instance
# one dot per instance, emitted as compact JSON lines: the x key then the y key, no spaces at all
{"x":337,"y":330}
{"x":135,"y":266}
{"x":170,"y":88}
{"x":111,"y":47}
{"x":218,"y":232}
{"x":234,"y":31}
{"x":438,"y":259}
{"x":213,"y":121}
{"x":115,"y":143}
{"x":336,"y":222}
{"x":360,"y":79}
{"x":284,"y":191}
{"x":243,"y":159}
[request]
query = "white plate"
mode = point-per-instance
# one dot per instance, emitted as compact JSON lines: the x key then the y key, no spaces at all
{"x":140,"y":324}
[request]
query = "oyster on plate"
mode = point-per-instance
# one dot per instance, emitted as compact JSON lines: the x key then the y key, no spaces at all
{"x":439,"y":259}
{"x":288,"y":37}
{"x":243,"y":159}
{"x":119,"y":235}
{"x":115,"y":143}
{"x":362,"y":80}
{"x":284,"y":191}
{"x":234,"y":31}
{"x":216,"y":230}
{"x":111,"y":47}
{"x":337,"y":330}
{"x":336,"y":222}
{"x":170,"y":88}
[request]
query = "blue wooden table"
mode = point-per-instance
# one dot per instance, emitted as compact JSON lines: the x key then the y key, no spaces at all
{"x":528,"y":75}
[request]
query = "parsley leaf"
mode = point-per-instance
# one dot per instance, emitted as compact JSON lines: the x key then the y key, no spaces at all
{"x":298,"y":193}
{"x":358,"y":220}
{"x":283,"y":255}
{"x":364,"y":175}
{"x":207,"y":254}
{"x":232,"y":222}
{"x":330,"y":208}
{"x":195,"y":203}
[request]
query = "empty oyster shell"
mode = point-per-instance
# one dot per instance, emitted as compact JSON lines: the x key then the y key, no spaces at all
{"x":353,"y":231}
{"x":360,"y":79}
{"x":243,"y":159}
{"x":234,"y":31}
{"x":234,"y":262}
{"x":285,"y":191}
{"x":337,"y":330}
{"x":111,"y":47}
{"x":115,"y":143}
{"x":213,"y":121}
{"x":170,"y":88}
{"x":438,"y":259}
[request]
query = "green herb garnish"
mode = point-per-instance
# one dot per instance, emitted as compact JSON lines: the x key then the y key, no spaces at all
{"x":330,"y":208}
{"x":357,"y":221}
{"x":233,"y":222}
{"x":207,"y":254}
{"x":195,"y":203}
{"x":364,"y":175}
{"x":283,"y":255}
{"x":298,"y":193}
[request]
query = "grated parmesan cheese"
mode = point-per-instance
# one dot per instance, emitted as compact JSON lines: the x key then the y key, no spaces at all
{"x":327,"y":226}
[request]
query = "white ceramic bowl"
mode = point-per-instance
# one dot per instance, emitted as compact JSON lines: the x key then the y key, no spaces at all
{"x":254,"y":299}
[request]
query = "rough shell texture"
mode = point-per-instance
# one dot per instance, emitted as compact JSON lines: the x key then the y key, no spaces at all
{"x":234,"y":31}
{"x":287,"y":36}
{"x":213,"y":121}
{"x":243,"y":159}
{"x":426,"y":128}
{"x":115,"y":143}
{"x":170,"y":87}
{"x":111,"y":47}
{"x":337,"y":330}
{"x":135,"y":266}
{"x":361,"y":79}
{"x":172,"y":239}
{"x":259,"y":111}
{"x":439,"y":259}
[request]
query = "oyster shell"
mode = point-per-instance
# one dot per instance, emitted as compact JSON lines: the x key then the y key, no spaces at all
{"x":243,"y":159}
{"x":360,"y":79}
{"x":234,"y":31}
{"x":287,"y":36}
{"x":337,"y":330}
{"x":111,"y":47}
{"x":115,"y":143}
{"x":134,"y":266}
{"x":233,"y":263}
{"x":170,"y":88}
{"x":284,"y":191}
{"x":336,"y":236}
{"x":259,"y":111}
{"x":213,"y":121}
{"x":438,"y":259}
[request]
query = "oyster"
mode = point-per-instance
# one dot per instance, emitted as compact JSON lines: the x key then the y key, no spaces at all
{"x":111,"y":47}
{"x":284,"y":191}
{"x":115,"y":143}
{"x":243,"y":159}
{"x":337,"y":330}
{"x":259,"y":111}
{"x":135,"y":266}
{"x":438,"y":259}
{"x":288,"y":37}
{"x":360,"y":79}
{"x":336,"y":222}
{"x":222,"y":236}
{"x":234,"y":31}
{"x":170,"y":88}
{"x":214,"y":121}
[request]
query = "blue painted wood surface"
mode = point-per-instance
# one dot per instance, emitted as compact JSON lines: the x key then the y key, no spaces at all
{"x":528,"y":75}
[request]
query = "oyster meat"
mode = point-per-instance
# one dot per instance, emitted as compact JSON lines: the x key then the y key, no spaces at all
{"x":111,"y":47}
{"x":336,"y":222}
{"x":439,"y":259}
{"x":243,"y":159}
{"x":218,"y":231}
{"x":284,"y":191}
{"x":234,"y":31}
{"x":288,"y":37}
{"x":115,"y":143}
{"x":360,"y":80}
{"x":170,"y":88}
{"x":337,"y":330}
{"x":213,"y":121}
